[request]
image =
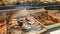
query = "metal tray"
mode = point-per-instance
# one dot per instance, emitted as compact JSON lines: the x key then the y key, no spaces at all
{"x":49,"y":26}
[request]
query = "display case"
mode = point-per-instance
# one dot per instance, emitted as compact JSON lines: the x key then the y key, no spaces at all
{"x":28,"y":20}
{"x":29,"y":16}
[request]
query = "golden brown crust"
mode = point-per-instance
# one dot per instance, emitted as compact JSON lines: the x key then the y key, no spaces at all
{"x":47,"y":19}
{"x":1,"y":30}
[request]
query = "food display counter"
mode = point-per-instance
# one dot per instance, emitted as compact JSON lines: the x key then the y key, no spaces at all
{"x":29,"y":16}
{"x":26,"y":21}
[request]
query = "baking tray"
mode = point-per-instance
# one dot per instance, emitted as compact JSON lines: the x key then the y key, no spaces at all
{"x":57,"y":15}
{"x":54,"y":25}
{"x":49,"y":26}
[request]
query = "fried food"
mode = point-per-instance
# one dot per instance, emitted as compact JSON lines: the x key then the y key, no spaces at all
{"x":28,"y":22}
{"x":2,"y":22}
{"x":1,"y":30}
{"x":47,"y":19}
